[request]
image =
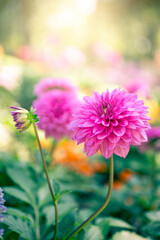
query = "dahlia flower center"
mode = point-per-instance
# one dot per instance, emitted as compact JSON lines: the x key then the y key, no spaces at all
{"x":108,"y":111}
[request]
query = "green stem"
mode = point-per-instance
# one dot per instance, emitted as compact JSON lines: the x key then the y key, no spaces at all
{"x":49,"y":184}
{"x":102,"y":207}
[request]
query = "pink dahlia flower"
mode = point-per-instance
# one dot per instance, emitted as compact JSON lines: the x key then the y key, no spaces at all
{"x":110,"y":122}
{"x":48,"y":84}
{"x":55,"y":109}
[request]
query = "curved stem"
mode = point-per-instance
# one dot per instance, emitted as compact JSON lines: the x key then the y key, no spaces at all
{"x":99,"y":210}
{"x":49,"y":184}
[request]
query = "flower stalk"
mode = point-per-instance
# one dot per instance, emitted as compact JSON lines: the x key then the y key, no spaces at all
{"x":103,"y":206}
{"x":24,"y":119}
{"x":48,"y":181}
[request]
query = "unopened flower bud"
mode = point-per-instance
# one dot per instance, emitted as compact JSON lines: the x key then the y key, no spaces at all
{"x":23,"y":117}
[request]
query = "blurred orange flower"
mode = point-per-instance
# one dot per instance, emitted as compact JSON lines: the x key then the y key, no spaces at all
{"x":125,"y":175}
{"x":70,"y":155}
{"x":117,"y":185}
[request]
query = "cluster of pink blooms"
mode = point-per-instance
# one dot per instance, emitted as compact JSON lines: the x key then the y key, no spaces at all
{"x":71,"y":56}
{"x":111,"y":66}
{"x":55,"y":105}
{"x":110,"y":122}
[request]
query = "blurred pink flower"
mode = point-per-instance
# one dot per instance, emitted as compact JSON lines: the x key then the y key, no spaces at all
{"x":153,"y":144}
{"x":48,"y":84}
{"x":72,"y":56}
{"x":153,"y":133}
{"x":110,"y":122}
{"x":106,"y":54}
{"x":26,"y":53}
{"x":138,"y":80}
{"x":132,"y":77}
{"x":55,"y":109}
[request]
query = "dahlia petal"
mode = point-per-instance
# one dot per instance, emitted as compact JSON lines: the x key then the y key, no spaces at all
{"x":98,"y":129}
{"x":105,"y":133}
{"x":132,"y":125}
{"x":120,"y":151}
{"x":119,"y":131}
{"x":147,"y":125}
{"x":105,"y":151}
{"x":114,"y":122}
{"x":122,"y":122}
{"x":140,"y":123}
{"x":136,"y":139}
{"x":127,"y":137}
{"x":90,"y":141}
{"x":143,"y":136}
{"x":123,"y":143}
{"x":106,"y":122}
{"x":110,"y":145}
{"x":145,"y":117}
{"x":113,"y":138}
{"x":88,"y":124}
{"x":96,"y":97}
{"x":89,"y":150}
{"x":88,"y":100}
{"x":79,"y":141}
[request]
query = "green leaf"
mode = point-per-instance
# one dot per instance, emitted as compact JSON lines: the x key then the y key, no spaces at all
{"x":23,"y":228}
{"x":81,"y":235}
{"x":152,"y":229}
{"x":62,"y":193}
{"x":56,"y":187}
{"x":18,"y":213}
{"x":17,"y":193}
{"x":114,"y":222}
{"x":94,"y":233}
{"x":125,"y":235}
{"x":63,"y":209}
{"x":22,"y":177}
{"x":104,"y":226}
{"x":66,"y":225}
{"x":153,"y":215}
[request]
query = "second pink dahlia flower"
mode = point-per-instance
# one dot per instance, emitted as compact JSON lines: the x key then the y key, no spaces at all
{"x":55,"y":109}
{"x":110,"y":122}
{"x":49,"y":84}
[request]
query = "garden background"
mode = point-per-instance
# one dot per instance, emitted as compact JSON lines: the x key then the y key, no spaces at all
{"x":96,"y":45}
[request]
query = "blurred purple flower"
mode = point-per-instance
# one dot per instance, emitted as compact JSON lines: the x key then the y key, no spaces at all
{"x":2,"y":210}
{"x":153,"y":133}
{"x":153,"y":144}
{"x":55,"y":110}
{"x":48,"y":84}
{"x":1,"y":233}
{"x":110,"y":122}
